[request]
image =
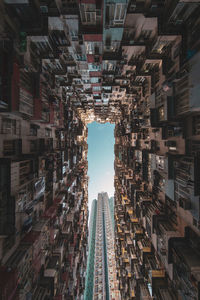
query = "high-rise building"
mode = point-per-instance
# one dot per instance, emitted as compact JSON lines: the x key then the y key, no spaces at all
{"x":66,"y":63}
{"x":101,"y":281}
{"x":88,"y":293}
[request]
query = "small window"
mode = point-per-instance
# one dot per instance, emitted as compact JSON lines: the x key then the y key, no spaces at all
{"x":88,"y":13}
{"x":96,"y":88}
{"x":95,"y":79}
{"x":33,"y":130}
{"x":48,"y":132}
{"x":94,"y":67}
{"x":119,"y":13}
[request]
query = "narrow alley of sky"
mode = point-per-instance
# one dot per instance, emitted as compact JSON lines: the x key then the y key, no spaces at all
{"x":100,"y":159}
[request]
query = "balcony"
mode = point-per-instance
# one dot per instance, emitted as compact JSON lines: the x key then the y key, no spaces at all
{"x":155,"y":272}
{"x":52,"y":267}
{"x":40,"y":293}
{"x":59,"y":248}
{"x":165,"y":293}
{"x":144,"y":293}
{"x":186,"y":265}
{"x":20,"y":261}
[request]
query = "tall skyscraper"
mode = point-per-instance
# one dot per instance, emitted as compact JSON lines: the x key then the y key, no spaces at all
{"x":101,"y":282}
{"x":88,"y":294}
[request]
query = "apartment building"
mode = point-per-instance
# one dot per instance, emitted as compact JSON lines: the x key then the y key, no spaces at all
{"x":64,"y":64}
{"x":157,"y":157}
{"x":43,"y":153}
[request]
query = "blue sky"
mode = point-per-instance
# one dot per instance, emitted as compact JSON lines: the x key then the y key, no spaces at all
{"x":100,"y":159}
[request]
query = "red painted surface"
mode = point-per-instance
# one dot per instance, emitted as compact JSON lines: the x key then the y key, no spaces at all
{"x":61,"y":120}
{"x":81,"y":218}
{"x":87,"y":1}
{"x":31,"y":237}
{"x":96,"y":92}
{"x":59,"y":297}
{"x":51,"y":212}
{"x":100,"y":59}
{"x":23,"y":88}
{"x":90,"y":58}
{"x":34,"y":238}
{"x":37,"y":109}
{"x":65,"y":277}
{"x":93,"y":37}
{"x":78,"y":281}
{"x":99,"y":2}
{"x":37,"y":264}
{"x":95,"y":74}
{"x":8,"y":284}
{"x":51,"y":235}
{"x":95,"y":84}
{"x":58,"y":199}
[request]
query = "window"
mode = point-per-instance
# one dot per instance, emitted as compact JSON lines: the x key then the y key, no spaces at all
{"x":89,"y":48}
{"x":89,"y":14}
{"x":33,"y":129}
{"x":94,"y":67}
{"x":93,"y":48}
{"x":95,"y":79}
{"x":108,"y":66}
{"x":115,"y":14}
{"x":161,"y":113}
{"x":80,"y":57}
{"x":48,"y":132}
{"x":119,"y":13}
{"x":90,"y":17}
{"x":74,"y":35}
{"x":10,"y":126}
{"x":96,"y":88}
{"x":108,"y":88}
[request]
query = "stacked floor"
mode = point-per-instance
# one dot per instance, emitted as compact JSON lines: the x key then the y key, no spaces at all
{"x":64,"y":64}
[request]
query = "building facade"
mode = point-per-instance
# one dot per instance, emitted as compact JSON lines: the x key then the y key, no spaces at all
{"x":66,"y":63}
{"x":88,"y":293}
{"x":101,"y":281}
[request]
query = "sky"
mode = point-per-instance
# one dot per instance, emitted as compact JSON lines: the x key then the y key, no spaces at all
{"x":100,"y":159}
